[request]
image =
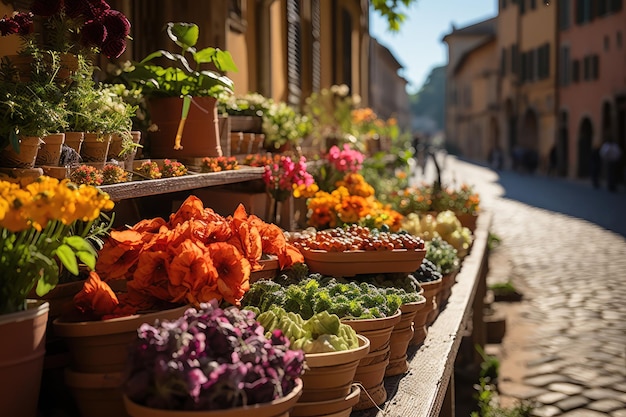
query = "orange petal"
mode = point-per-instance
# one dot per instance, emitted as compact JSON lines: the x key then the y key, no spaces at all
{"x":96,"y":297}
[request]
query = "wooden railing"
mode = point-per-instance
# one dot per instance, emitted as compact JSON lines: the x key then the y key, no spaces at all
{"x":427,"y":389}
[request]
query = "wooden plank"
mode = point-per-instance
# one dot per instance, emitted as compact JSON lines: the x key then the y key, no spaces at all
{"x":135,"y":189}
{"x":421,"y":392}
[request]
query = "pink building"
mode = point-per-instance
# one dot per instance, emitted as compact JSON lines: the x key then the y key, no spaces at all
{"x":592,"y":79}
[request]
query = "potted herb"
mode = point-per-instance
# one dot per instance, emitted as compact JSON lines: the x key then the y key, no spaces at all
{"x":182,"y":94}
{"x":27,"y":110}
{"x":240,"y":371}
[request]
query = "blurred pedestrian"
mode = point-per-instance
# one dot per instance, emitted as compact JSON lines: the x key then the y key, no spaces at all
{"x":611,"y":154}
{"x":595,"y":166}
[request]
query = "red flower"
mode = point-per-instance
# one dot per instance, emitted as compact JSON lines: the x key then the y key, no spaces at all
{"x":94,"y":33}
{"x":117,"y":25}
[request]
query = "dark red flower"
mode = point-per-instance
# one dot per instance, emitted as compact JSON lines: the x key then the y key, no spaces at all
{"x":113,"y":48}
{"x":46,"y":8}
{"x":8,"y":27}
{"x":95,"y":8}
{"x":24,"y":22}
{"x":94,"y":33}
{"x":116,"y":23}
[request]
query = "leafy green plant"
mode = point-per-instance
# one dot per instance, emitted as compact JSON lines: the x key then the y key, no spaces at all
{"x":442,"y":254}
{"x":493,"y":241}
{"x":486,"y":398}
{"x":184,"y":77}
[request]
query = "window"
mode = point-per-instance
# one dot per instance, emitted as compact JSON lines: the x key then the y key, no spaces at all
{"x":565,"y":13}
{"x":602,"y":7}
{"x":616,"y":6}
{"x":515,"y":68}
{"x":503,"y":62}
{"x":576,"y":70}
{"x":503,"y":4}
{"x":584,"y":11}
{"x":595,"y":67}
{"x":587,"y":68}
{"x":523,"y":67}
{"x":565,"y":69}
{"x":533,"y":4}
{"x":522,"y":6}
{"x":543,"y":58}
{"x":531,"y":61}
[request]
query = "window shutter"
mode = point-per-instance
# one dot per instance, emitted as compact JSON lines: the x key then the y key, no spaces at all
{"x":316,"y":35}
{"x":294,"y":52}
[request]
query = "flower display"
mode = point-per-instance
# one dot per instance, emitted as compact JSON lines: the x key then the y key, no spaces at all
{"x":43,"y":225}
{"x":113,"y":174}
{"x":86,"y":175}
{"x":336,"y":163}
{"x":219,"y":163}
{"x":173,"y":169}
{"x":282,"y":174}
{"x":149,"y":169}
{"x":352,"y":202}
{"x":226,"y":361}
{"x":72,"y":25}
{"x":428,"y":197}
{"x":194,"y":257}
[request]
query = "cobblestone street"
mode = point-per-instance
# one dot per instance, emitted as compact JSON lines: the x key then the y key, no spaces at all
{"x":565,"y":342}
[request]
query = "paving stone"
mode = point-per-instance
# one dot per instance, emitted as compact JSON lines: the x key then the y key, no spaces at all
{"x":605,"y":406}
{"x":542,"y":360}
{"x":606,"y":381}
{"x":566,"y":388}
{"x":550,"y":397}
{"x":546,"y":368}
{"x":582,"y":412}
{"x":601,"y":393}
{"x":544,"y":380}
{"x":572,"y":403}
{"x":546,"y":411}
{"x":619,"y":413}
{"x":520,"y":391}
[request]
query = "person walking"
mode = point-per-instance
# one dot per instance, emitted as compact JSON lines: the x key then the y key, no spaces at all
{"x":595,"y":166}
{"x":611,"y":154}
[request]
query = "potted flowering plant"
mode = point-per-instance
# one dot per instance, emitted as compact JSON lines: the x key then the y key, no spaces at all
{"x":241,"y":370}
{"x":180,"y":96}
{"x":41,"y":229}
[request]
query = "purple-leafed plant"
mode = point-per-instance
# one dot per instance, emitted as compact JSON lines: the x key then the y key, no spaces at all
{"x":210,"y":359}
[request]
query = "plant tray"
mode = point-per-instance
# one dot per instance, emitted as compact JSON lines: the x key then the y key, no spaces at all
{"x":350,"y":263}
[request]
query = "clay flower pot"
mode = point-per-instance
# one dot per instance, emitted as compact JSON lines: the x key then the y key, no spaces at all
{"x":401,"y":336}
{"x":329,"y":376}
{"x":50,"y":151}
{"x":25,"y":158}
{"x":95,"y":149}
{"x":341,"y":407}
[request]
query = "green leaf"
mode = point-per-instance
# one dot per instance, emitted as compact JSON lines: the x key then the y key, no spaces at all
{"x":205,"y":56}
{"x":79,"y":244}
{"x":184,"y":35}
{"x":88,"y":258}
{"x":68,"y":258}
{"x":224,"y":61}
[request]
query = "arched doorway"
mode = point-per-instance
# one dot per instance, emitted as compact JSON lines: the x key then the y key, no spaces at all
{"x":562,"y":164}
{"x":530,"y":131}
{"x":585,"y":141}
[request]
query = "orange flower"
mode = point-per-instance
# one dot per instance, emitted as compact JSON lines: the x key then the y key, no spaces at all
{"x":96,"y":297}
{"x":246,"y":237}
{"x":151,"y":275}
{"x":149,"y":225}
{"x":233,"y":271}
{"x":274,"y":243}
{"x":191,"y":270}
{"x":192,"y":208}
{"x":119,"y":254}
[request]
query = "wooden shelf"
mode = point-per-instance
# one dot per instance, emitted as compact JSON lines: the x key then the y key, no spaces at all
{"x":135,"y":189}
{"x":427,"y":388}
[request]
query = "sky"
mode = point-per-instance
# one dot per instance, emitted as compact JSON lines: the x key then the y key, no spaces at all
{"x":418,"y":46}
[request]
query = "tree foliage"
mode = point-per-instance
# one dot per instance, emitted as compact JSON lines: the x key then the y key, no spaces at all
{"x":391,"y":10}
{"x":429,"y":101}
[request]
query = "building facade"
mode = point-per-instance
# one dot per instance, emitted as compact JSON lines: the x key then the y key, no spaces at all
{"x":560,"y":84}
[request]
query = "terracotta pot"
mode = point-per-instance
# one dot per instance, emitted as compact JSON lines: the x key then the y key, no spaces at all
{"x":371,"y":377}
{"x":246,"y":124}
{"x":200,"y":136}
{"x":25,"y":158}
{"x":341,"y":407}
{"x":420,"y":328}
{"x":329,"y":376}
{"x":375,"y":397}
{"x":401,"y":336}
{"x":467,"y":220}
{"x":430,"y":293}
{"x":95,"y":149}
{"x":97,"y":394}
{"x":101,"y":346}
{"x":378,"y":331}
{"x":277,"y":408}
{"x":68,"y":65}
{"x":75,"y":140}
{"x":21,"y":359}
{"x":50,"y":151}
{"x":447,"y":281}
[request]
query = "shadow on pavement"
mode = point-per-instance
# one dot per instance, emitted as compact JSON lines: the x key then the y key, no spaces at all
{"x":579,"y":200}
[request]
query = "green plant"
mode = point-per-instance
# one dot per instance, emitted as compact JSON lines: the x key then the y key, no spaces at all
{"x":34,"y":242}
{"x":29,"y":109}
{"x":493,"y":241}
{"x":181,"y":78}
{"x":282,"y":124}
{"x":488,"y":407}
{"x":443,"y":255}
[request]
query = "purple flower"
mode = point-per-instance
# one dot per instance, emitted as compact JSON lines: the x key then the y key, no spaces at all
{"x":210,"y":358}
{"x":93,"y":9}
{"x":117,"y":25}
